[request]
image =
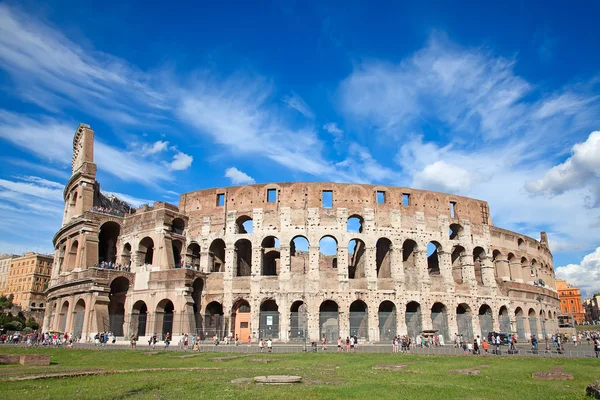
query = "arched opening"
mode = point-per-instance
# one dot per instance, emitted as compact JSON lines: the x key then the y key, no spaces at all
{"x":383,"y":258}
{"x":240,"y":319}
{"x":327,"y":253}
{"x":356,"y":259}
{"x":533,"y":273}
{"x":504,"y":320}
{"x":478,"y":259}
{"x":165,"y":312}
{"x":412,"y":318}
{"x":213,"y":321}
{"x":62,"y":317}
{"x":328,"y":321}
{"x":520,"y":320}
{"x":486,"y":322}
{"x":409,"y":262}
{"x":464,"y":322}
{"x":116,"y":306}
{"x":299,"y":255}
{"x":525,"y":269}
{"x":78,"y":318}
{"x":243,"y":255}
{"x":298,"y":320}
{"x":193,"y":256}
{"x":72,"y":257}
{"x":269,"y":320}
{"x":433,"y":258}
{"x":271,"y":256}
{"x":107,"y":242}
{"x":359,"y":320}
{"x":355,"y":224}
{"x":244,"y":224}
{"x":139,"y":319}
{"x":146,"y":250}
{"x":495,"y":256}
{"x":439,"y":320}
{"x":458,"y":252}
{"x":387,"y":320}
{"x":197,"y":288}
{"x":521,"y":244}
{"x":216,"y":252}
{"x":533,"y":328}
{"x":126,"y":255}
{"x":455,"y":231}
{"x":178,"y":226}
{"x":32,"y":305}
{"x":177,"y":246}
{"x":512,"y":260}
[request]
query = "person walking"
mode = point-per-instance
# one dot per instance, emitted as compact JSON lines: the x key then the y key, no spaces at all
{"x":269,"y":345}
{"x":167,"y":340}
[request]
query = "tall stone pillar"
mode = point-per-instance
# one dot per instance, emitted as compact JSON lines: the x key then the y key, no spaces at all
{"x":401,"y":328}
{"x":502,"y":267}
{"x":373,"y":321}
{"x":371,"y":267}
{"x":487,"y":273}
{"x":284,"y":262}
{"x":342,"y":263}
{"x":446,"y":268}
{"x":86,"y":317}
{"x":421,"y":264}
{"x":313,"y":265}
{"x":515,"y":271}
{"x":284,"y":319}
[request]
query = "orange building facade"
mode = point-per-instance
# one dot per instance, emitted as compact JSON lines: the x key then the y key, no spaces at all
{"x":570,"y":301}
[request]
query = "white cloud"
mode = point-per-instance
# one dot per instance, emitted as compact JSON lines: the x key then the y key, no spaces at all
{"x":579,"y":170}
{"x":181,"y":161}
{"x":294,"y":101}
{"x":585,"y":275}
{"x":238,"y":177}
{"x":333,"y":128}
{"x":444,"y":177}
{"x":154,"y":148}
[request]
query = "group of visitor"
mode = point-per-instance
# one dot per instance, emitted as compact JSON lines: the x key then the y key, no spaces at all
{"x":104,"y":338}
{"x":36,"y":338}
{"x":265,"y":343}
{"x":188,"y":265}
{"x":108,"y":210}
{"x":112,"y":265}
{"x":401,"y":344}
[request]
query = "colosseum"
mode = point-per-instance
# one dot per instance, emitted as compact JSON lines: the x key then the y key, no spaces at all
{"x":292,"y":261}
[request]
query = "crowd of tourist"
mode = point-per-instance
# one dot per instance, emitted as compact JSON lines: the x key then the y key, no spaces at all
{"x":112,"y":265}
{"x":39,"y":339}
{"x":108,"y":210}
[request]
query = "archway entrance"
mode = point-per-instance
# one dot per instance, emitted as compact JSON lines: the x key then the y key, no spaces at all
{"x":413,"y":319}
{"x":439,"y":320}
{"x":359,"y":321}
{"x":116,"y":307}
{"x":464,"y":322}
{"x":213,"y":320}
{"x":298,"y":320}
{"x":62,"y":317}
{"x":107,"y":242}
{"x":197,"y":288}
{"x":486,"y":322}
{"x":520,"y":320}
{"x":240,"y":319}
{"x":504,"y":320}
{"x":328,"y":321}
{"x":139,"y":319}
{"x":146,"y":250}
{"x":269,"y":320}
{"x":387,"y":320}
{"x":78,"y":318}
{"x":164,"y":317}
{"x":533,"y":328}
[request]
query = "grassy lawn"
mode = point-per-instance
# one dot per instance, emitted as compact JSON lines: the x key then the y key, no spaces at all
{"x":329,"y":376}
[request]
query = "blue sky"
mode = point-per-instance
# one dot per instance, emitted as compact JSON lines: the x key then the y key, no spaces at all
{"x":498,"y":102}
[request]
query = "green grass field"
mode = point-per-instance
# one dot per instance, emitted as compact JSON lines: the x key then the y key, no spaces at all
{"x":326,"y":376}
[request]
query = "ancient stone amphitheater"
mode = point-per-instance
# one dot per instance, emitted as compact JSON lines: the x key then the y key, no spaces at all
{"x":291,"y":261}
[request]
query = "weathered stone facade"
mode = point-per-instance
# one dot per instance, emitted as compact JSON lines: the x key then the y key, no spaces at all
{"x":290,"y":260}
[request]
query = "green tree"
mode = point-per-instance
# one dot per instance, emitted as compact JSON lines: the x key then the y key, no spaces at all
{"x":31,"y":323}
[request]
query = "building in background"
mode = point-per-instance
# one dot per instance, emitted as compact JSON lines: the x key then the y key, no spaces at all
{"x":28,"y":277}
{"x":5,"y":260}
{"x":570,"y":301}
{"x":592,"y":308}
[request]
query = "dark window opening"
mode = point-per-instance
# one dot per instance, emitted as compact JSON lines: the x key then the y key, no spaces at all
{"x":380,"y":197}
{"x":452,"y":212}
{"x":271,"y":195}
{"x":220,"y":199}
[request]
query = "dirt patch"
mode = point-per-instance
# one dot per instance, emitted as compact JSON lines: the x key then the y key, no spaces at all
{"x":187,"y":356}
{"x":150,"y":353}
{"x":466,"y":371}
{"x":555,"y":374}
{"x":227,"y":358}
{"x":261,"y":360}
{"x":112,"y":372}
{"x":242,"y":380}
{"x":390,"y":367}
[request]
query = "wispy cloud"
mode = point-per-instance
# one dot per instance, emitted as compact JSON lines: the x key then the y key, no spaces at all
{"x":180,"y":162}
{"x":238,"y":177}
{"x":294,"y":101}
{"x":585,"y":275}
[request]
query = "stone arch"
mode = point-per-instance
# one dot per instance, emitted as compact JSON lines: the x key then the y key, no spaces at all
{"x":270,"y":256}
{"x":458,"y":253}
{"x":213,"y":320}
{"x":455,"y":231}
{"x":116,"y":306}
{"x":177,"y":247}
{"x":433,"y":257}
{"x":298,"y":320}
{"x":439,"y":320}
{"x":504,"y":320}
{"x":63,"y":316}
{"x":216,"y":252}
{"x":520,"y":321}
{"x":486,"y":320}
{"x":387,"y":320}
{"x":359,"y":319}
{"x":521,"y":245}
{"x":107,"y":242}
{"x":412,"y":318}
{"x":78,"y":317}
{"x":243,"y":256}
{"x":383,"y":258}
{"x":178,"y":226}
{"x":197,"y":289}
{"x":328,"y":249}
{"x":193,"y":256}
{"x":355,"y":223}
{"x":139,"y":318}
{"x":478,"y":259}
{"x":464,"y":322}
{"x":165,"y":313}
{"x":533,"y":329}
{"x":329,"y":320}
{"x":146,"y":250}
{"x":72,"y":256}
{"x":126,"y":255}
{"x":356,"y":259}
{"x":299,"y":254}
{"x":269,"y":319}
{"x":409,"y":262}
{"x":240,"y":318}
{"x":244,"y":224}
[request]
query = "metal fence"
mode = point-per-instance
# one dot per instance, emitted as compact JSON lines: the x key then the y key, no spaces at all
{"x":521,"y":327}
{"x":465,"y":326}
{"x":298,"y":325}
{"x":387,"y":325}
{"x":269,"y":324}
{"x":329,"y":326}
{"x":505,"y":324}
{"x":439,"y":322}
{"x":533,"y":329}
{"x":359,"y":324}
{"x":486,"y":325}
{"x":413,"y":323}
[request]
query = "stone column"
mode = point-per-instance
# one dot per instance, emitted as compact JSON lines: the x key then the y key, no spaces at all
{"x":284,"y":262}
{"x":257,"y":260}
{"x":371,"y":267}
{"x":452,"y":323}
{"x":373,"y":321}
{"x":421,"y":265}
{"x":342,"y":263}
{"x":502,"y":268}
{"x":446,"y":268}
{"x":487,"y":273}
{"x":284,"y":319}
{"x":230,"y":263}
{"x":204,"y":262}
{"x":426,"y":322}
{"x":475,"y":324}
{"x":313,"y":264}
{"x":86,"y":316}
{"x":313,"y":319}
{"x":69,"y":316}
{"x":401,"y":319}
{"x":515,"y":271}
